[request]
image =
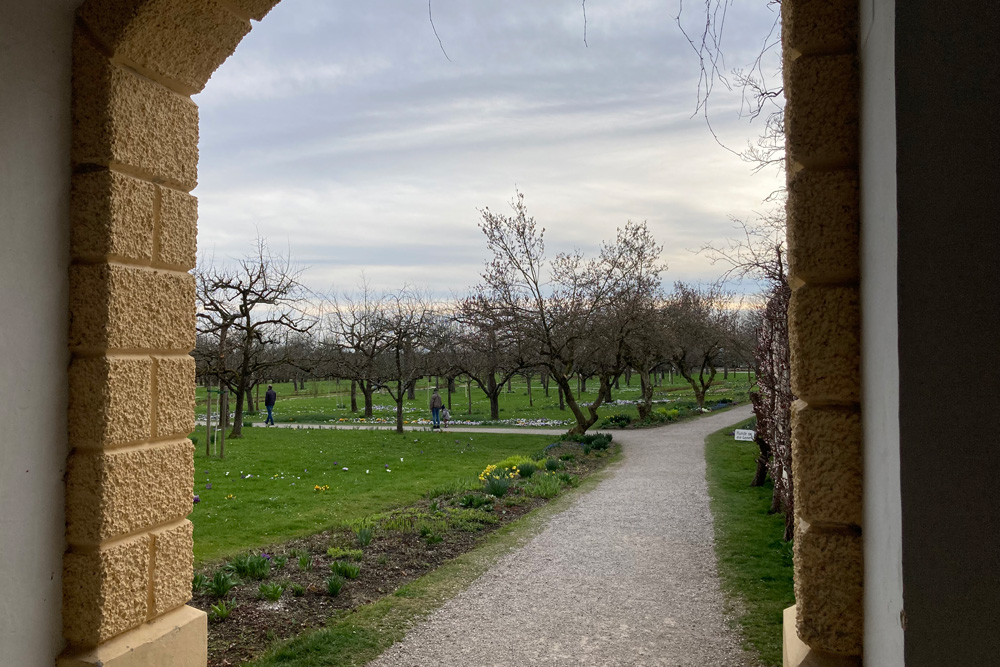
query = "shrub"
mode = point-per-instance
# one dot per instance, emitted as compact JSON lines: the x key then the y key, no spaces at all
{"x":221,"y":611}
{"x":338,"y":553}
{"x":346,"y":570}
{"x":270,"y":592}
{"x":334,"y":584}
{"x":552,"y":464}
{"x":527,"y":469}
{"x":221,"y":584}
{"x":497,"y":486}
{"x":543,"y":486}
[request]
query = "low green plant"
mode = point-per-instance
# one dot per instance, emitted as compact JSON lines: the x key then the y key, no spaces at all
{"x":496,"y":486}
{"x":222,"y":582}
{"x":567,"y":457}
{"x":453,"y":488}
{"x":620,"y":420}
{"x":250,"y":566}
{"x":527,"y":469}
{"x":298,"y":590}
{"x":569,"y":480}
{"x":552,"y":464}
{"x":333,"y":585}
{"x":193,"y":439}
{"x":346,"y":570}
{"x":305,"y":562}
{"x":364,"y":535}
{"x":270,"y":592}
{"x":382,"y":559}
{"x":279,"y":561}
{"x":198,"y":583}
{"x":543,"y":486}
{"x":339,"y":553}
{"x":475,"y":501}
{"x":433,"y":538}
{"x":221,"y":611}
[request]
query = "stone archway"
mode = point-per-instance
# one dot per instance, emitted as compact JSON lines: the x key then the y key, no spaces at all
{"x":128,"y":565}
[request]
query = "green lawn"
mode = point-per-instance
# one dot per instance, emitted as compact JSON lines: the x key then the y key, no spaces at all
{"x":755,"y":563}
{"x":278,"y":502}
{"x":325,"y":401}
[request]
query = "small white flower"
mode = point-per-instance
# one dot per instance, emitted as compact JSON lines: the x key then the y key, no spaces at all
{"x":367,"y":471}
{"x":387,"y":470}
{"x":344,"y":469}
{"x":400,"y":460}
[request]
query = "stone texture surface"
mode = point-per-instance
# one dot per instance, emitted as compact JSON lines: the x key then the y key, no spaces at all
{"x":131,"y":308}
{"x":796,"y":653}
{"x":183,"y":41}
{"x":826,"y":464}
{"x":825,"y":343}
{"x":821,"y":113}
{"x":179,"y":638}
{"x":178,"y":236}
{"x":111,"y":214}
{"x":819,"y":26}
{"x":625,"y":576}
{"x":828,"y":586}
{"x":121,"y":118}
{"x":256,"y":9}
{"x":115,"y":493}
{"x":173,"y":567}
{"x":105,"y":591}
{"x":174,"y":396}
{"x":109,"y":401}
{"x":822,"y":209}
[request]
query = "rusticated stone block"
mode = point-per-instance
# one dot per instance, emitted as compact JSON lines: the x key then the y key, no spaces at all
{"x":256,"y":9}
{"x":105,"y":591}
{"x":173,"y":566}
{"x":828,"y":590}
{"x":110,"y":401}
{"x":177,"y":242}
{"x":114,"y":493}
{"x":815,"y":27}
{"x":183,"y":41}
{"x":112,"y":214}
{"x":824,"y":340}
{"x":826,"y":464}
{"x":821,"y":114}
{"x":126,"y":307}
{"x":122,"y":118}
{"x":174,"y":396}
{"x":823,"y":231}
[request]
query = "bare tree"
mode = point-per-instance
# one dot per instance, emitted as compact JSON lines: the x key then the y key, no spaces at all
{"x":566,"y":308}
{"x":246,"y":310}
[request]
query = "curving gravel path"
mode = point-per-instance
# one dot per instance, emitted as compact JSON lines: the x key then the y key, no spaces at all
{"x":625,"y":576}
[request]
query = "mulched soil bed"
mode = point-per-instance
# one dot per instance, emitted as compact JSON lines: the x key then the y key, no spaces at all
{"x":392,"y":559}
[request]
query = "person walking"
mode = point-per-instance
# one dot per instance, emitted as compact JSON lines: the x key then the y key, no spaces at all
{"x":269,"y":398}
{"x":436,"y":405}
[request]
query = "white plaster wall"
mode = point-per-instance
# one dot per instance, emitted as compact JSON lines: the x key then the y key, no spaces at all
{"x":34,"y":254}
{"x":880,"y":360}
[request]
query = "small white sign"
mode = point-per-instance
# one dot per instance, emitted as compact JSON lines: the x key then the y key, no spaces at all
{"x":744,"y":434}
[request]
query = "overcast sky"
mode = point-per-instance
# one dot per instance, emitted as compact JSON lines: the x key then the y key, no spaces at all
{"x":343,"y":134}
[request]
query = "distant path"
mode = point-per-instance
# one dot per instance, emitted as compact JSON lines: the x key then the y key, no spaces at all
{"x":625,"y":576}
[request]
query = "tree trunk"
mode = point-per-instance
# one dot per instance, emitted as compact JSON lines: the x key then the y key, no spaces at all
{"x":411,"y":391}
{"x":366,"y":390}
{"x":616,"y":385}
{"x":760,"y":474}
{"x":354,"y":396}
{"x":562,"y":399}
{"x":468,"y":393}
{"x":251,"y":406}
{"x":725,"y":371}
{"x":645,"y":404}
{"x":493,"y":392}
{"x":509,"y":389}
{"x":237,"y":431}
{"x":628,"y":377}
{"x":451,"y":390}
{"x":399,"y":404}
{"x":531,"y":402}
{"x":545,"y":383}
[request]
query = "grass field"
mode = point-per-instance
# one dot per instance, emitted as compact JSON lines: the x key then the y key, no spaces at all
{"x":755,"y":563}
{"x":326,"y":400}
{"x":263,"y":491}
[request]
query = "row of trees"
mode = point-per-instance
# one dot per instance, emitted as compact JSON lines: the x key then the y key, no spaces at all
{"x":566,"y":320}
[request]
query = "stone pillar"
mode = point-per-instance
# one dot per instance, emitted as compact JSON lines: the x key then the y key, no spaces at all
{"x":127,"y":570}
{"x":821,"y":116}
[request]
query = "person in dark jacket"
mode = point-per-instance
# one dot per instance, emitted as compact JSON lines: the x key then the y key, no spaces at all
{"x":436,"y":405}
{"x":269,"y":398}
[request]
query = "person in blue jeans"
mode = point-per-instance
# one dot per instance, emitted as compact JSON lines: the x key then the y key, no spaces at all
{"x":269,"y":398}
{"x":436,"y":405}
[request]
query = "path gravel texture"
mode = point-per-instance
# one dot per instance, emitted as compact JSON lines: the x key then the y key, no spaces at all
{"x":625,"y":576}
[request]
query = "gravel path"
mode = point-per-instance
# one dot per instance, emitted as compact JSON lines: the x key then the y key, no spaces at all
{"x":625,"y":576}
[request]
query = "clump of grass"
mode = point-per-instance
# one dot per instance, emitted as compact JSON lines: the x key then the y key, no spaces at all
{"x":569,"y":480}
{"x":527,"y":469}
{"x":250,"y":566}
{"x":298,"y":590}
{"x":333,"y":585}
{"x":305,"y":562}
{"x":279,"y":561}
{"x":340,"y":553}
{"x":270,"y":592}
{"x":222,"y":582}
{"x":543,"y":486}
{"x":496,"y":486}
{"x":364,"y":535}
{"x":552,"y":464}
{"x":346,"y":570}
{"x":475,"y":501}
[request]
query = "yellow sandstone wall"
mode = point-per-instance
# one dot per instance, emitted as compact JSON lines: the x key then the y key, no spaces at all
{"x":127,"y":570}
{"x":821,"y":88}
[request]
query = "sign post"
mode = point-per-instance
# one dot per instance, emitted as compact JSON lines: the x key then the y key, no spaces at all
{"x":744,"y":434}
